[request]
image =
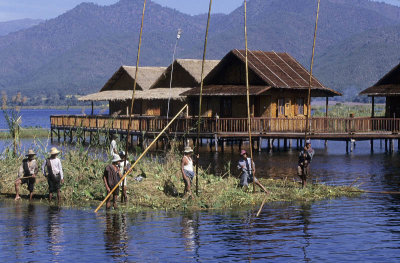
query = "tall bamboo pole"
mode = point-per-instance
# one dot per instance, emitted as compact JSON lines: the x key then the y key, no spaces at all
{"x":248,"y":90}
{"x":134,"y":86}
{"x":311,"y":71}
{"x":201,"y":98}
{"x":140,"y":157}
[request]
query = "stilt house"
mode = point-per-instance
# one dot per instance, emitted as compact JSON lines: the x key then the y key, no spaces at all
{"x":278,"y":87}
{"x":389,"y":87}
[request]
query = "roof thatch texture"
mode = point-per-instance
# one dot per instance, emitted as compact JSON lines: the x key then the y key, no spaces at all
{"x":187,"y":72}
{"x":226,"y":90}
{"x":123,"y":78}
{"x":277,"y":70}
{"x":389,"y":85}
{"x":122,"y":95}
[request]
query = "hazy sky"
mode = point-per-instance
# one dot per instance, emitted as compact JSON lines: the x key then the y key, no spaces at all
{"x":17,"y":9}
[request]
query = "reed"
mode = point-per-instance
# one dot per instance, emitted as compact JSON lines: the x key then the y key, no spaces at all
{"x":83,"y":184}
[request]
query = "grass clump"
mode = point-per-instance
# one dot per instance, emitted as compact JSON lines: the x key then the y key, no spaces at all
{"x":83,"y":185}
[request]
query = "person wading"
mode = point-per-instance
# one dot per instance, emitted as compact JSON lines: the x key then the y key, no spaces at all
{"x":123,"y":169}
{"x":27,"y":174}
{"x":305,"y":158}
{"x":52,"y":170}
{"x":111,"y":178}
{"x":187,"y":170}
{"x":248,"y":170}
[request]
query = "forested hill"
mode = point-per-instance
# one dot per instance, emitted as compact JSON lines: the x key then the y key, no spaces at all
{"x":78,"y":51}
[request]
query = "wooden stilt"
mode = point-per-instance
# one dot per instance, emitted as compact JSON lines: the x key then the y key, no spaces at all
{"x":372,"y":145}
{"x":386,"y":145}
{"x":222,"y":142}
{"x":347,"y":146}
{"x":259,"y":144}
{"x":240,"y":145}
{"x":290,"y":143}
{"x":58,"y":135}
{"x":279,"y":144}
{"x":51,"y":135}
{"x":65,"y":135}
{"x":285,"y":144}
{"x":391,"y":146}
{"x":216,"y":142}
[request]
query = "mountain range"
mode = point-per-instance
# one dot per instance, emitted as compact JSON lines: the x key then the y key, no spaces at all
{"x":78,"y":51}
{"x":16,"y":25}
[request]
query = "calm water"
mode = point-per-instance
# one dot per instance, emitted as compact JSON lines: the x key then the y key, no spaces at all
{"x":41,"y":117}
{"x":365,"y":229}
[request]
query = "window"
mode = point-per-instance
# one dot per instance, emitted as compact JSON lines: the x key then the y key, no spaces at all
{"x":281,"y":106}
{"x":300,"y":106}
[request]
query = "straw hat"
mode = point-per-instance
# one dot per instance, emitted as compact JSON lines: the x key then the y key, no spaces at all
{"x":54,"y":151}
{"x":116,"y":159}
{"x":30,"y":152}
{"x":188,"y":149}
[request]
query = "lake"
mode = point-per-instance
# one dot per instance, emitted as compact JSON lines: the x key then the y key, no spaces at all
{"x":365,"y":229}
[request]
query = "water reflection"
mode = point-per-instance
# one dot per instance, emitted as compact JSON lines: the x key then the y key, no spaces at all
{"x":190,"y":232}
{"x":116,"y":235}
{"x":305,"y":213}
{"x":55,"y":231}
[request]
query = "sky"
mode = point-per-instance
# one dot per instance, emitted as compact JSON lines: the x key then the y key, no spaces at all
{"x":46,"y":9}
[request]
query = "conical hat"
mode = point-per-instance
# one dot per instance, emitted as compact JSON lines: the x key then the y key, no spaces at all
{"x":54,"y":151}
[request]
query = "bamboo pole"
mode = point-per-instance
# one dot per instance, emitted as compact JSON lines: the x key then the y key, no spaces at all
{"x":140,"y":157}
{"x":311,"y":71}
{"x":248,"y":92}
{"x":201,"y":97}
{"x":134,"y":86}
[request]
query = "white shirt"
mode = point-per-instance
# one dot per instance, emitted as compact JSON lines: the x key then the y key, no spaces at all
{"x":56,"y":167}
{"x":189,"y":165}
{"x":113,"y":147}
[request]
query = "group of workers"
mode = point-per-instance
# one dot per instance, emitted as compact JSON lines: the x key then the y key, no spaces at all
{"x":52,"y":170}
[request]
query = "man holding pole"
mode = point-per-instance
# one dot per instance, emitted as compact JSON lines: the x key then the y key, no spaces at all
{"x":111,"y":178}
{"x":248,"y":170}
{"x":187,"y":170}
{"x":124,"y":166}
{"x":27,"y":174}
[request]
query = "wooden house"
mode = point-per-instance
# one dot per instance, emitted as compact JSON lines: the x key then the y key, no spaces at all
{"x":388,"y":87}
{"x":153,"y":92}
{"x":186,"y":75}
{"x":278,"y":87}
{"x":118,"y":90}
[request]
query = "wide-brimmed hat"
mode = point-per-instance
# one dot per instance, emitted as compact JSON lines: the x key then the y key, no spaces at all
{"x":243,"y":152}
{"x":116,"y":159}
{"x":121,"y":153}
{"x":54,"y":151}
{"x":188,"y":149}
{"x":30,"y":152}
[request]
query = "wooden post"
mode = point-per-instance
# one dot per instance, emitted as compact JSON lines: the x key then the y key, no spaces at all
{"x":347,"y":146}
{"x":240,"y":145}
{"x":222,"y":141}
{"x":51,"y":135}
{"x":372,"y":145}
{"x":398,"y":145}
{"x":285,"y":144}
{"x":216,"y":142}
{"x":279,"y":144}
{"x":58,"y":135}
{"x":290,"y":143}
{"x":386,"y":146}
{"x":373,"y":107}
{"x":259,"y":143}
{"x":391,"y":146}
{"x":92,"y":113}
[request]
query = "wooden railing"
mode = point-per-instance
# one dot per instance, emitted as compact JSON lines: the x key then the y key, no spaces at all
{"x":230,"y":125}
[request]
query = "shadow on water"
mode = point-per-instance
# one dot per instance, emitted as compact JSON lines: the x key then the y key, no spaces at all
{"x":116,"y":236}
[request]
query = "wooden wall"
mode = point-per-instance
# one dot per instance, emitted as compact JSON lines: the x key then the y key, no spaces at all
{"x":146,"y":107}
{"x":392,"y":107}
{"x":261,"y":106}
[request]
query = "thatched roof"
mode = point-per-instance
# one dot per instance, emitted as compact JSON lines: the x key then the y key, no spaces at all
{"x":389,"y":85}
{"x":123,"y":78}
{"x":122,"y":95}
{"x":187,"y":73}
{"x":276,"y":70}
{"x":226,"y":90}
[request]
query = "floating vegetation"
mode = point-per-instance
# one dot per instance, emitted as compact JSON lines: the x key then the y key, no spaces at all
{"x":161,"y":186}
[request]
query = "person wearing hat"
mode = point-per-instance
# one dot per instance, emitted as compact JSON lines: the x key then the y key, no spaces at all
{"x":248,"y":170}
{"x":187,"y":169}
{"x":111,"y":178}
{"x":124,"y":166}
{"x":52,"y":170}
{"x":27,"y":174}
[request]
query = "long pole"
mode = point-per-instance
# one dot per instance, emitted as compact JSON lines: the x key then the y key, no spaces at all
{"x":178,"y":36}
{"x":311,"y":71}
{"x":248,"y":89}
{"x":201,"y":98}
{"x":134,"y":85}
{"x":140,"y":157}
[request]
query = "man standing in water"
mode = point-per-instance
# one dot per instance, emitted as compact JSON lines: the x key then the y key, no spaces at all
{"x":247,"y":169}
{"x":111,"y":178}
{"x":187,"y":170}
{"x":27,"y":174}
{"x":124,"y":166}
{"x":52,"y":169}
{"x":305,"y":158}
